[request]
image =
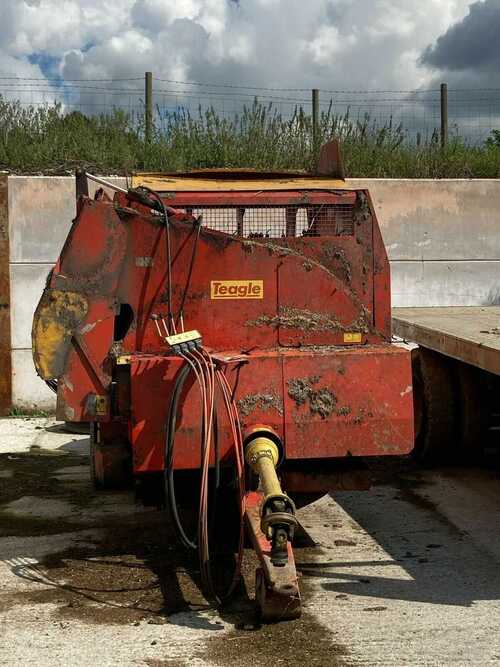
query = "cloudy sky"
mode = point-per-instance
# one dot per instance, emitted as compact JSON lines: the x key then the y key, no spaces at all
{"x":352,"y":44}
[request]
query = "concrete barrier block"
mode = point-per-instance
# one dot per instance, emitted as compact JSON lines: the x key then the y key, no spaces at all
{"x":41,"y":209}
{"x":437,"y":219}
{"x":445,"y":283}
{"x":29,"y":392}
{"x":27,"y":282}
{"x":40,"y":213}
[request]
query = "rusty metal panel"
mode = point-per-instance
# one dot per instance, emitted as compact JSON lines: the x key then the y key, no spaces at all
{"x":314,"y":401}
{"x":323,"y":312}
{"x":5,"y":333}
{"x":348,"y":403}
{"x":56,"y":317}
{"x":306,"y":313}
{"x":258,"y":388}
{"x":92,"y":256}
{"x":260,"y":198}
{"x":87,"y":369}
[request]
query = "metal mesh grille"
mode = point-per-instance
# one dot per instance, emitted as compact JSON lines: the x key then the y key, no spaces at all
{"x":279,"y":222}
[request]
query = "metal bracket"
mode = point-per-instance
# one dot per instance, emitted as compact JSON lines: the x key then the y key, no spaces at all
{"x":276,"y":588}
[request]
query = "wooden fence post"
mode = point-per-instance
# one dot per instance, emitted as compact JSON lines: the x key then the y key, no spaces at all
{"x":315,"y":118}
{"x":148,"y":111}
{"x":444,"y":115}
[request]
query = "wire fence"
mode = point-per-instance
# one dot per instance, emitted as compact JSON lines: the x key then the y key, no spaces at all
{"x":470,"y":113}
{"x":154,"y":124}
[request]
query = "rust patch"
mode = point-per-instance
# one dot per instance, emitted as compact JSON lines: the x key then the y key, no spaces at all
{"x":307,"y":320}
{"x":362,"y":210}
{"x":263,"y":402}
{"x":218,"y":240}
{"x":94,"y":271}
{"x":321,"y":401}
{"x":361,"y":416}
{"x":56,"y":318}
{"x":336,"y":261}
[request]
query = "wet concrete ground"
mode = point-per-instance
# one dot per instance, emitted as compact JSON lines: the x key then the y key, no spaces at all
{"x":405,"y":574}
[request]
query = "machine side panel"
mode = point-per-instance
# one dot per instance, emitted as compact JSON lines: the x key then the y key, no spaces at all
{"x":91,"y":259}
{"x":316,"y":308}
{"x":330,"y":412}
{"x":381,"y":278}
{"x":315,"y":402}
{"x":87,"y":374}
{"x":222,"y":305}
{"x":257,"y":387}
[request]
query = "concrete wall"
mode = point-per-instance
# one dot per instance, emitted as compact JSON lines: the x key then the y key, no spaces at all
{"x":442,"y":238}
{"x":41,"y":209}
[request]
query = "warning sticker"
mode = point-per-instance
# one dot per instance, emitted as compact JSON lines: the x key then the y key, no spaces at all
{"x":352,"y":337}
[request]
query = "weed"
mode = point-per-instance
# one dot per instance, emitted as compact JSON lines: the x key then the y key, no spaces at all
{"x":48,"y":140}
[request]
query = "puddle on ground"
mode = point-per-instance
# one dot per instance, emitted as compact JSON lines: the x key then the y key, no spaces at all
{"x":128,"y":571}
{"x":301,"y":642}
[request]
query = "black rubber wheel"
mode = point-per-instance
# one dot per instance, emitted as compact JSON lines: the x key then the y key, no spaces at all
{"x":472,"y":410}
{"x":433,"y":377}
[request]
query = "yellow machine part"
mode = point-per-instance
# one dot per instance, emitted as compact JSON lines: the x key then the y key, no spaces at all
{"x":56,"y":317}
{"x":173,"y":183}
{"x":263,"y":456}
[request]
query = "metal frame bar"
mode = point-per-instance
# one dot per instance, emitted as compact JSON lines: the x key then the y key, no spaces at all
{"x":5,"y":307}
{"x":258,"y":198}
{"x":277,"y":588}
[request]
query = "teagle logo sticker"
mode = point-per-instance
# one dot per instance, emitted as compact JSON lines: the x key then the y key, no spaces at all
{"x":237,"y":289}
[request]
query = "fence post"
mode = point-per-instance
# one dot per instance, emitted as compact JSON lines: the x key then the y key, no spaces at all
{"x":148,"y":111}
{"x":315,"y":118}
{"x":444,"y":115}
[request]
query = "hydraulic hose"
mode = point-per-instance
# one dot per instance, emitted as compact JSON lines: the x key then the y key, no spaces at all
{"x":169,"y":457}
{"x":202,"y":366}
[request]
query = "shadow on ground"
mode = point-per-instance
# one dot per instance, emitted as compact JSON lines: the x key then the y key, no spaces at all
{"x":442,"y":562}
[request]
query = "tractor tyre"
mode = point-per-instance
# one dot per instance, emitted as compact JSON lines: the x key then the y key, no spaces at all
{"x":435,"y":407}
{"x":472,"y":409}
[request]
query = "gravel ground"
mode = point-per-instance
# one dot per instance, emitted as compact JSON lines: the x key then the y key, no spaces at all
{"x":405,"y":574}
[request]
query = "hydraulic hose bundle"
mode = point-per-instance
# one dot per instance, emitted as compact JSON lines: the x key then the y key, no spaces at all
{"x":199,"y":362}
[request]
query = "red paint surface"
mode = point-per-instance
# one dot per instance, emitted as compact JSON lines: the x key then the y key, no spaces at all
{"x":370,"y":419}
{"x":315,"y":290}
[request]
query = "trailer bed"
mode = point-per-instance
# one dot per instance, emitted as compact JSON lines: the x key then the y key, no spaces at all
{"x":467,"y":333}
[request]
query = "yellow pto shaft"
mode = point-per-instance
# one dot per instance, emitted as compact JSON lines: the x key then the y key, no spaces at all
{"x":262,"y":456}
{"x":277,"y":510}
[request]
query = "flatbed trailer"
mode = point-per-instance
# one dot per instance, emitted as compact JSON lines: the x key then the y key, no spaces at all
{"x":456,"y":370}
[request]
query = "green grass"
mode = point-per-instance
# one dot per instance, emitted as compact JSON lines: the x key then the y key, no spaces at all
{"x":28,"y":412}
{"x":47,"y":140}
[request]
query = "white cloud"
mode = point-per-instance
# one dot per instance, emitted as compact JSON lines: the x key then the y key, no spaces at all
{"x":156,"y":15}
{"x":327,"y":44}
{"x":281,"y":43}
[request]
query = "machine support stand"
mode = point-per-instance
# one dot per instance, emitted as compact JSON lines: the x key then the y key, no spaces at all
{"x":276,"y":587}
